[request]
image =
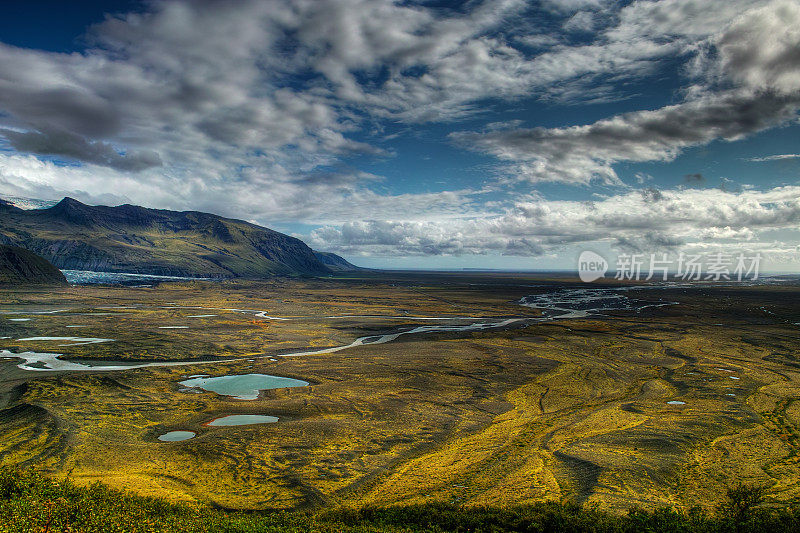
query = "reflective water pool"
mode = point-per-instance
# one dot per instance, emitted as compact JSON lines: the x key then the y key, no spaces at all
{"x":242,"y":420}
{"x":244,"y":386}
{"x":176,"y":436}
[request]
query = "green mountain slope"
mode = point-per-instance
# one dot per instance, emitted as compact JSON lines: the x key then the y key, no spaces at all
{"x":21,"y":267}
{"x":336,"y":262}
{"x":129,"y":238}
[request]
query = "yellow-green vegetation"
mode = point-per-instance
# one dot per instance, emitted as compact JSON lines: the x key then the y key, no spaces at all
{"x":559,"y":411}
{"x":30,"y":502}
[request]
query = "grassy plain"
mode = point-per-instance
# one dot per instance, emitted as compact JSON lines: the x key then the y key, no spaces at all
{"x":565,"y":410}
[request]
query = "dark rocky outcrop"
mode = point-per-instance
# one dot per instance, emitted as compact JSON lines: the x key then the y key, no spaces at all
{"x":19,"y":266}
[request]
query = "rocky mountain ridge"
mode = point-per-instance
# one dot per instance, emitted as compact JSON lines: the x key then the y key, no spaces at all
{"x":129,"y":238}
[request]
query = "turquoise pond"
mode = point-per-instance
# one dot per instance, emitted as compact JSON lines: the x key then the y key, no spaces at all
{"x":242,"y":420}
{"x":175,"y":436}
{"x":244,"y":386}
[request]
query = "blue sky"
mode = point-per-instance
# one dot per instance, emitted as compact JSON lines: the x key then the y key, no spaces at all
{"x":497,"y":134}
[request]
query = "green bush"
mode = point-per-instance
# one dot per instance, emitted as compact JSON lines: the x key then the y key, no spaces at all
{"x":32,"y":502}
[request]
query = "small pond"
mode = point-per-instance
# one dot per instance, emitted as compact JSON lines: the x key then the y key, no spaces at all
{"x":175,"y":436}
{"x":242,"y":420}
{"x":244,"y":386}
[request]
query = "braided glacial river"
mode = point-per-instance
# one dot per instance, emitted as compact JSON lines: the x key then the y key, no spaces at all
{"x":561,"y":304}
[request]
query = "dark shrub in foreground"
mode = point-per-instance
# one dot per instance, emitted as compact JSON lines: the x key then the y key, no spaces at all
{"x":31,"y":502}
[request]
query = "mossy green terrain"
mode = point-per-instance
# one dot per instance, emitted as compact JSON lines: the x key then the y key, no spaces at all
{"x":558,"y":411}
{"x":31,"y":502}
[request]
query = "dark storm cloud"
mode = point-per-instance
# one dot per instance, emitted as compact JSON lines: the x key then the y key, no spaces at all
{"x":62,"y":108}
{"x":757,"y":60}
{"x":74,"y":146}
{"x":580,"y":153}
{"x":762,"y":49}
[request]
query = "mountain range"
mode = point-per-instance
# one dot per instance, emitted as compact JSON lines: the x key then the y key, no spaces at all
{"x":129,"y":238}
